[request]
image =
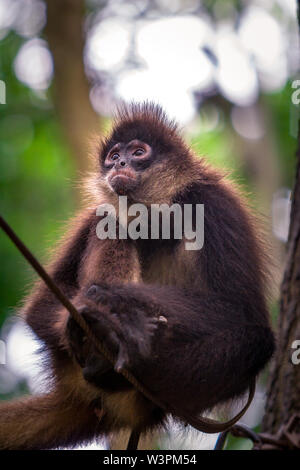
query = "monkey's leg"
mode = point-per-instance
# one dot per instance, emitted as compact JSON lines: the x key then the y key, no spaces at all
{"x":202,"y":351}
{"x":135,"y":333}
{"x":109,"y":260}
{"x":45,"y":422}
{"x":82,"y":260}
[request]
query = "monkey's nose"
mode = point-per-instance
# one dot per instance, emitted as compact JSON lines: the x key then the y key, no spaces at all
{"x":122,"y":163}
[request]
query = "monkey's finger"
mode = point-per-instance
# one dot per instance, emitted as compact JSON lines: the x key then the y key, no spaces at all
{"x":102,"y":321}
{"x":122,"y":359}
{"x":77,"y":341}
{"x":106,"y":328}
{"x":95,"y":367}
{"x":98,"y":293}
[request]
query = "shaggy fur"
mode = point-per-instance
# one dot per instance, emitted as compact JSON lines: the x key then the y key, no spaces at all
{"x":191,"y":325}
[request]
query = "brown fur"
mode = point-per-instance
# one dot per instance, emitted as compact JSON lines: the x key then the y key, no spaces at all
{"x":193,"y":326}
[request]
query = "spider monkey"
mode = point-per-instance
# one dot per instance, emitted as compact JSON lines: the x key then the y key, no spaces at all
{"x":191,"y":325}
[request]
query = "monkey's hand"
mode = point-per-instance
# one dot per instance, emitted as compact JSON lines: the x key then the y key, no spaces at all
{"x":122,"y":326}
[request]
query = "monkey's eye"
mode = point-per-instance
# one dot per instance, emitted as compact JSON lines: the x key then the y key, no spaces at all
{"x":114,"y":156}
{"x":138,"y":152}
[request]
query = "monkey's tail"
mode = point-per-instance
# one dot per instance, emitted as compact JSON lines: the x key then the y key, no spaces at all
{"x":45,"y":422}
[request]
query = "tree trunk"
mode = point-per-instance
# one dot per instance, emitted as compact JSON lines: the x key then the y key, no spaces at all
{"x":284,"y":384}
{"x":283,"y":398}
{"x":65,"y":35}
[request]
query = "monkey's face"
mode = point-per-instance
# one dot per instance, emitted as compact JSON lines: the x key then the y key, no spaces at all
{"x":125,"y":163}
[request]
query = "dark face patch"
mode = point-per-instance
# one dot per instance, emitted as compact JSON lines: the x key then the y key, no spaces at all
{"x":124,"y":164}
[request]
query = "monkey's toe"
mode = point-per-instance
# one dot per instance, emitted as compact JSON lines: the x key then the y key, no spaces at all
{"x":93,"y":291}
{"x":99,"y":293}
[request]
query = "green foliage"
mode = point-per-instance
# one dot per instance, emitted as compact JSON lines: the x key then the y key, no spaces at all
{"x":281,"y":112}
{"x":37,"y":173}
{"x":35,"y":177}
{"x":218,"y":148}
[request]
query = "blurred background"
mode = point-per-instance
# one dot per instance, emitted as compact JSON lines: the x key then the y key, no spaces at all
{"x":224,"y":69}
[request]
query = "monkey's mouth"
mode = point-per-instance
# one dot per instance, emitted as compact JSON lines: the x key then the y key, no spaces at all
{"x":122,"y":180}
{"x":123,"y":175}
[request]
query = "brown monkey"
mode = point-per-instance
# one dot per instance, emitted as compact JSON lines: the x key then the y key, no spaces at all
{"x":191,"y":325}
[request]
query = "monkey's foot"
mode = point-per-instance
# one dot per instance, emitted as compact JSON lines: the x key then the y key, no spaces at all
{"x":77,"y":342}
{"x":82,"y":350}
{"x":127,"y":334}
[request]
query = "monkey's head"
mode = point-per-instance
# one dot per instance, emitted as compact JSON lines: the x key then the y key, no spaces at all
{"x":144,"y":154}
{"x":124,"y":164}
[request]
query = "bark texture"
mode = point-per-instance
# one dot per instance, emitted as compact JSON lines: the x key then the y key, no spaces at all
{"x":283,"y":399}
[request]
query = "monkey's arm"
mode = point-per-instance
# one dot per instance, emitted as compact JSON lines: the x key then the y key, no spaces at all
{"x":80,"y":260}
{"x":204,"y":350}
{"x":41,"y":306}
{"x":66,"y":416}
